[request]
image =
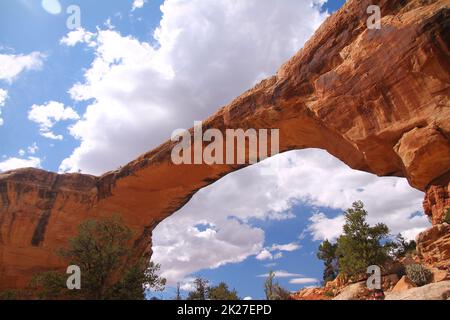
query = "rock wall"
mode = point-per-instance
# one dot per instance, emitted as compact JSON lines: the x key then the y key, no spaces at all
{"x":376,"y":99}
{"x":433,"y":245}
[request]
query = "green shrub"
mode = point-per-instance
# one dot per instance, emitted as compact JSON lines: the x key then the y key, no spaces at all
{"x":105,"y":254}
{"x":447,"y":216}
{"x":327,"y":253}
{"x":418,"y":274}
{"x":221,"y":292}
{"x":49,"y":285}
{"x":329,"y":294}
{"x":9,"y":295}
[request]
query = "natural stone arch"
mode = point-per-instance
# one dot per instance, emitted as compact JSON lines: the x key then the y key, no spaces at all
{"x":376,"y":99}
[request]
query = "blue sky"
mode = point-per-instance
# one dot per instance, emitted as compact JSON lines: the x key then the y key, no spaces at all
{"x":27,"y":27}
{"x":118,"y":89}
{"x":247,"y":277}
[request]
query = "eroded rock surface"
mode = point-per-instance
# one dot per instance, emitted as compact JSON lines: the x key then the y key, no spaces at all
{"x":434,"y":246}
{"x":432,"y":291}
{"x":376,"y":99}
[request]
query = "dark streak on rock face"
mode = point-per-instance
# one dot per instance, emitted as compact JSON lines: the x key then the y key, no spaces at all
{"x":39,"y":232}
{"x":50,"y":196}
{"x":4,"y":194}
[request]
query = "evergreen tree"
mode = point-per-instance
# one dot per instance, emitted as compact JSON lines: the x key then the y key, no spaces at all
{"x":361,"y":245}
{"x":103,"y":251}
{"x":200,"y":292}
{"x":327,"y":253}
{"x":221,"y":292}
{"x":401,"y":246}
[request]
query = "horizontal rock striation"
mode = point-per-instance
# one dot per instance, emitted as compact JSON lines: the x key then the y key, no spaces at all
{"x":376,"y":99}
{"x":434,"y":246}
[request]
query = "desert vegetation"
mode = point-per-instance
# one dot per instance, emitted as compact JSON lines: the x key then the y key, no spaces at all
{"x":104,"y":252}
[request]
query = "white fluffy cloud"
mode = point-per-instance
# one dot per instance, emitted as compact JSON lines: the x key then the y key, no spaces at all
{"x":79,"y":35}
{"x":275,"y":251}
{"x":204,"y":54}
{"x":322,"y":227}
{"x":311,"y":177}
{"x":264,"y":255}
{"x":12,"y":65}
{"x":48,"y":115}
{"x":14,"y":163}
{"x":232,"y":242}
{"x":137,"y":4}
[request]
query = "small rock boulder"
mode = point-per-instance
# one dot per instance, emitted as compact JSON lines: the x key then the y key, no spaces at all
{"x":439,"y":275}
{"x":356,"y":291}
{"x":389,"y":281}
{"x":403,"y":284}
{"x":432,"y":291}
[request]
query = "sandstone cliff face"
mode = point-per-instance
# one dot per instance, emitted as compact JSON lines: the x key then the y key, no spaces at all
{"x":434,"y":246}
{"x":376,"y":99}
{"x":437,"y":199}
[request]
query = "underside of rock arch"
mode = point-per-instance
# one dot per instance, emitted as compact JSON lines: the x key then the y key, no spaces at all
{"x":376,"y":99}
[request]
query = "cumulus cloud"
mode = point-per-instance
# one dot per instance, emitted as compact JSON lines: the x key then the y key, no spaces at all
{"x":79,"y":35}
{"x":187,"y":285}
{"x":252,"y":194}
{"x":48,"y":115}
{"x":275,"y":251}
{"x":264,"y":255}
{"x":322,"y":227}
{"x":203,"y":55}
{"x":15,"y":163}
{"x":12,"y":65}
{"x":137,"y":4}
{"x":180,"y":256}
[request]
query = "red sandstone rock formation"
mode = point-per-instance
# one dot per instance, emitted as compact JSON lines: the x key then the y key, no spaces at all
{"x":376,"y":99}
{"x":437,"y":199}
{"x":434,"y":246}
